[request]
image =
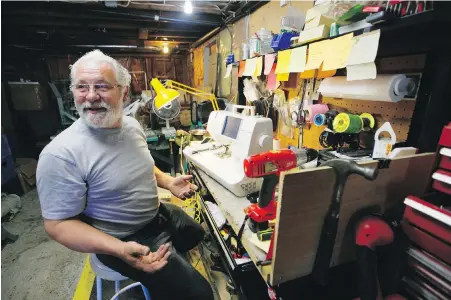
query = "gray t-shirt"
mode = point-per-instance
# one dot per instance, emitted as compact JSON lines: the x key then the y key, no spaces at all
{"x":106,"y":175}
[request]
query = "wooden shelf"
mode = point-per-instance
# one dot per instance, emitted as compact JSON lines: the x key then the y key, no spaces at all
{"x":233,"y":209}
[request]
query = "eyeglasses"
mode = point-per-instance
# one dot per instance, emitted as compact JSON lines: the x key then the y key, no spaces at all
{"x":83,"y":88}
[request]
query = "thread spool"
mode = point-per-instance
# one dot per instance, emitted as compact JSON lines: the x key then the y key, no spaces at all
{"x":368,"y":121}
{"x":330,"y":116}
{"x":276,"y":144}
{"x":347,"y":123}
{"x":319,"y":119}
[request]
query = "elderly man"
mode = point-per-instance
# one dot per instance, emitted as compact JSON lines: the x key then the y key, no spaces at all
{"x":97,"y":185}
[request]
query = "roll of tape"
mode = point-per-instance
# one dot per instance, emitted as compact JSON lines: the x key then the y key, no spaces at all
{"x":319,"y":119}
{"x":315,"y":109}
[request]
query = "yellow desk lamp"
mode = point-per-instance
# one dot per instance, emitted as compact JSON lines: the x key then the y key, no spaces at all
{"x":165,"y":96}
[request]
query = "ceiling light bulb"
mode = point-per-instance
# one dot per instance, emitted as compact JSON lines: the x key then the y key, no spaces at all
{"x":188,"y":7}
{"x":165,"y":49}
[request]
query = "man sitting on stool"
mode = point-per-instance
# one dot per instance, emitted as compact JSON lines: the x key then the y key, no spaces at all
{"x":97,"y":185}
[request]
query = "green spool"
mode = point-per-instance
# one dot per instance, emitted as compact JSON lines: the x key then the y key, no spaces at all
{"x":347,"y":123}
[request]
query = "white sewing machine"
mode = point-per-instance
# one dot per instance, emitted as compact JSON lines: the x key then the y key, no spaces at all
{"x":236,"y":137}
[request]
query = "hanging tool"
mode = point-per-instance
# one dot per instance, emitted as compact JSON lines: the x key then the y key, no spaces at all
{"x":269,"y":165}
{"x":343,"y":168}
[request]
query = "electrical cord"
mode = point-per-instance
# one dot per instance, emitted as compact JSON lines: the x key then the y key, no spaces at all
{"x":201,"y":255}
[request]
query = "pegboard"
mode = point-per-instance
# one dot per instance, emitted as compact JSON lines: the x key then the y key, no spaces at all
{"x":398,"y":114}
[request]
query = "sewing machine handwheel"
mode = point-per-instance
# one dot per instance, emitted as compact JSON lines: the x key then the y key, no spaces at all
{"x":257,"y":226}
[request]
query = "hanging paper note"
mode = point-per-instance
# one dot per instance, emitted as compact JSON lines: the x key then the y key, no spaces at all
{"x":337,"y":52}
{"x":283,"y":61}
{"x":228,"y":71}
{"x":325,"y":74}
{"x":269,"y":61}
{"x":259,"y":66}
{"x":298,"y":59}
{"x":250,"y":67}
{"x":316,"y":55}
{"x":241,"y":68}
{"x":364,"y":48}
{"x":361,"y":71}
{"x":283,"y":76}
{"x":272,"y":81}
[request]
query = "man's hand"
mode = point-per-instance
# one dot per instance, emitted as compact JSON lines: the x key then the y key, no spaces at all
{"x":181,"y":187}
{"x":140,"y":257}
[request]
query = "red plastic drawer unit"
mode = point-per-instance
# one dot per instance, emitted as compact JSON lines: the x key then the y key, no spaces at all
{"x":445,"y":158}
{"x":428,"y":226}
{"x":445,"y":137}
{"x":442,"y":181}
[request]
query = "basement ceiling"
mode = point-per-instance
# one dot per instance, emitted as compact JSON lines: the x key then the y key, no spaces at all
{"x":57,"y":27}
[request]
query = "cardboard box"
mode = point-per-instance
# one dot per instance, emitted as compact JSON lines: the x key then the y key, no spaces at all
{"x":317,"y":21}
{"x":315,"y":12}
{"x":314,"y":34}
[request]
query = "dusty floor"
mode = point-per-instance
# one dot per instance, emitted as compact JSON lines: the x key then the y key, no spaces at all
{"x":35,"y":267}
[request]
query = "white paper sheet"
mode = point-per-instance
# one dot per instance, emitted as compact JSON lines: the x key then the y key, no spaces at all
{"x":364,"y":48}
{"x":249,"y":69}
{"x":298,"y":60}
{"x":228,"y":71}
{"x":361,"y":71}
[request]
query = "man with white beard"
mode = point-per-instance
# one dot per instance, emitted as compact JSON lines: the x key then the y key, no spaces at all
{"x":97,"y":184}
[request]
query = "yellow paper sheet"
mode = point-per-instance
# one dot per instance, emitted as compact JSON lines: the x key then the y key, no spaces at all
{"x":337,"y":52}
{"x":250,"y":67}
{"x":316,"y":55}
{"x":283,"y":76}
{"x":298,"y":59}
{"x":364,"y":48}
{"x":259,"y":66}
{"x":283,"y":61}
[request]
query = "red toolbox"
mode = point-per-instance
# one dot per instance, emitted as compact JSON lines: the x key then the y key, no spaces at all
{"x":445,"y":158}
{"x":442,"y":181}
{"x":428,"y":226}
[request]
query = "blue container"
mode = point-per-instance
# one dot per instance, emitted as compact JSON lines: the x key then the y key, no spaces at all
{"x":282,"y":41}
{"x":230,"y":59}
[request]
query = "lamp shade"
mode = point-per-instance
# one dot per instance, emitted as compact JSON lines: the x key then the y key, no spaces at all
{"x":164,"y":95}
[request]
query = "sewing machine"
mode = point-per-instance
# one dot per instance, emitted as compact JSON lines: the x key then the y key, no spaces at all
{"x":236,"y":136}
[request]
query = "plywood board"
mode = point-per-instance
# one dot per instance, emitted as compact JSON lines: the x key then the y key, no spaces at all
{"x":305,"y":197}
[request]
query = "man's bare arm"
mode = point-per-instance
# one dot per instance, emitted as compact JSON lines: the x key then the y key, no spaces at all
{"x":163,"y":180}
{"x":81,"y":237}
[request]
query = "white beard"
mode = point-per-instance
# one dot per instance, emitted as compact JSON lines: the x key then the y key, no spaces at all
{"x":108,"y":119}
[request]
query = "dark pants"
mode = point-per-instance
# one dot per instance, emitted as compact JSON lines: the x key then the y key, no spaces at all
{"x":178,"y":279}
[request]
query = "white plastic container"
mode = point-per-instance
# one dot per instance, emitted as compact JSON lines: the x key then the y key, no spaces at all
{"x":245,"y":51}
{"x":265,"y":37}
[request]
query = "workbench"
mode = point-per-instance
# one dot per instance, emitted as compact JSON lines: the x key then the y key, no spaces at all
{"x":157,"y":143}
{"x":303,"y":200}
